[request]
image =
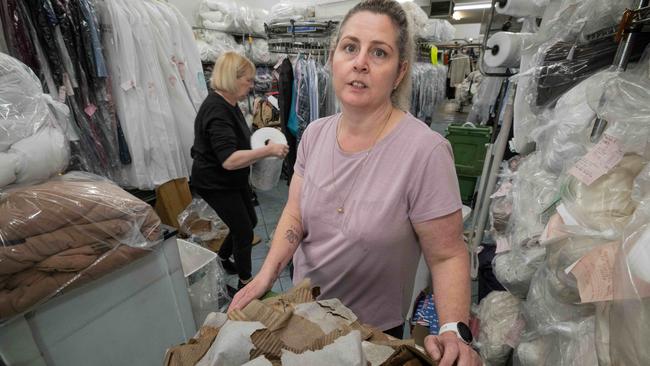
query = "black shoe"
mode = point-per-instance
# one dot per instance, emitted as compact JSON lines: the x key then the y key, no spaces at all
{"x":229,"y":266}
{"x":232,"y":291}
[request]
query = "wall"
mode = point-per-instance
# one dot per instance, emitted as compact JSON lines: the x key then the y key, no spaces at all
{"x":188,"y":8}
{"x":466,"y":31}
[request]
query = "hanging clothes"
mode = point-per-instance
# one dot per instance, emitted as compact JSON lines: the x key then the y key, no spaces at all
{"x":285,"y":89}
{"x":428,"y":89}
{"x":459,"y":68}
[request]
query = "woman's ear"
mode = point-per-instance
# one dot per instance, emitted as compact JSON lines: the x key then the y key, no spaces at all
{"x":400,"y":75}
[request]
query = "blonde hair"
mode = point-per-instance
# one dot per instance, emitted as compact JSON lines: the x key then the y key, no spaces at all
{"x":229,"y":67}
{"x":400,"y":96}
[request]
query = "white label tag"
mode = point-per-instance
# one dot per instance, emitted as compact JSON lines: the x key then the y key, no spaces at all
{"x":604,"y":156}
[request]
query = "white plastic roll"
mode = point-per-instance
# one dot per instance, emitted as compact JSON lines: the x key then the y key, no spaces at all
{"x":266,"y":172}
{"x":520,"y":8}
{"x":505,"y":49}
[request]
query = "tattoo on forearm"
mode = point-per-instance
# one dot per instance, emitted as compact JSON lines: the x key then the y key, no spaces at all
{"x":292,"y":235}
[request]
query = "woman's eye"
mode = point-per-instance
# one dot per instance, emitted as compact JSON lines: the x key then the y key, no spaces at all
{"x":350,"y":48}
{"x":378,"y":52}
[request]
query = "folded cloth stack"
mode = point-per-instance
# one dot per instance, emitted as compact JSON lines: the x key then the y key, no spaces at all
{"x":292,"y":329}
{"x":65,"y":232}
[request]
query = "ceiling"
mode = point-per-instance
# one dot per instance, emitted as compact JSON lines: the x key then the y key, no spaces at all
{"x":478,"y":16}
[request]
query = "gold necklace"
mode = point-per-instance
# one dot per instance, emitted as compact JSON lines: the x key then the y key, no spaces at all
{"x":341,"y":208}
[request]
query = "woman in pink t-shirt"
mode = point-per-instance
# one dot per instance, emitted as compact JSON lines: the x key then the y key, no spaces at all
{"x":374,"y":186}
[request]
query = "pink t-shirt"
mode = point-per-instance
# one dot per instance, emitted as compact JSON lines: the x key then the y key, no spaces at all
{"x":367,"y":256}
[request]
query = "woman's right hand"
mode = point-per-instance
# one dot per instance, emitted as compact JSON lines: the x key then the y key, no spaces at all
{"x":277,"y":150}
{"x":252,"y":291}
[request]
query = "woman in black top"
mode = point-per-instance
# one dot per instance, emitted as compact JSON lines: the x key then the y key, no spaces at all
{"x":222,"y":156}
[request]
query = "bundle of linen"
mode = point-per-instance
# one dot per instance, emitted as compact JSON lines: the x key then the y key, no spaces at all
{"x":66,"y":232}
{"x":33,"y":142}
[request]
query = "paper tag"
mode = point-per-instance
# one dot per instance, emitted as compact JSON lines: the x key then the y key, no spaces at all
{"x":566,"y":216}
{"x":604,"y":156}
{"x":503,"y":190}
{"x":62,"y":94}
{"x":571,"y":267}
{"x":594,"y":273}
{"x":278,"y":63}
{"x":68,"y":84}
{"x":90,"y":109}
{"x":514,"y":334}
{"x":274,"y":101}
{"x":503,"y":245}
{"x":128,"y":85}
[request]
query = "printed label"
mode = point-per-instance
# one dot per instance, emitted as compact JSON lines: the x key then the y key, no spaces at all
{"x":503,"y":244}
{"x":604,"y":156}
{"x":90,"y":109}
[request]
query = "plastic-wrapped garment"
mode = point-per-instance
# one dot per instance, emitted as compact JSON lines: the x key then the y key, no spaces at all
{"x":170,"y":55}
{"x":65,"y":232}
{"x":437,"y":30}
{"x":188,"y":61}
{"x":22,"y":110}
{"x":630,"y":311}
{"x":533,"y":191}
{"x":259,"y":52}
{"x":208,"y":52}
{"x":33,"y":143}
{"x":628,"y":117}
{"x":562,"y":344}
{"x":501,"y":205}
{"x":263,"y":79}
{"x":201,"y":223}
{"x":219,"y":15}
{"x":557,"y":333}
{"x":286,"y":11}
{"x":498,"y":313}
{"x":542,"y":308}
{"x":485,"y":99}
{"x":18,"y":40}
{"x":212,"y":44}
{"x":140,"y":91}
{"x":605,"y":205}
{"x":565,"y":137}
{"x":566,"y":28}
{"x":515,"y":269}
{"x":230,"y":17}
{"x":428,"y":89}
{"x":561,"y":253}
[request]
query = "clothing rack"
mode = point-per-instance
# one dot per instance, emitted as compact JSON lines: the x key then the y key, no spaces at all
{"x":234,"y":34}
{"x":300,"y":29}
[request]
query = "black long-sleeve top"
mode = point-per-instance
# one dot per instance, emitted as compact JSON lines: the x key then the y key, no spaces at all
{"x":219,"y":130}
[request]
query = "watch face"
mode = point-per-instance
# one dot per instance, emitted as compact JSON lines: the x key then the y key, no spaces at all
{"x":465,"y":332}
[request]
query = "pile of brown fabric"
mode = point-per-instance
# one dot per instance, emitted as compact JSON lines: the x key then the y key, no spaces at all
{"x":66,"y":232}
{"x":282,"y":329}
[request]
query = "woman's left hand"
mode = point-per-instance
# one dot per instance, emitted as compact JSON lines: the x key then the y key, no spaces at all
{"x":448,"y":350}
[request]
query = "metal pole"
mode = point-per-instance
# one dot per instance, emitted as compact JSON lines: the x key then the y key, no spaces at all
{"x":621,"y":60}
{"x":499,"y":149}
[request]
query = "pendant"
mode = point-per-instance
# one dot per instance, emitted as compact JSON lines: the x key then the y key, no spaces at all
{"x":340,"y":210}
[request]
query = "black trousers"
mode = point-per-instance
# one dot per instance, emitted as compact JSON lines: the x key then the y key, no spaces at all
{"x":235,"y":208}
{"x":397,"y":332}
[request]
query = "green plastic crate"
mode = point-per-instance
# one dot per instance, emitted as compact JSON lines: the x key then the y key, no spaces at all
{"x":469,"y":145}
{"x":467,"y":187}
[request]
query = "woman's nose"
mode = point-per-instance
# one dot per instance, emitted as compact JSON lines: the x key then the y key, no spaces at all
{"x":361,"y":62}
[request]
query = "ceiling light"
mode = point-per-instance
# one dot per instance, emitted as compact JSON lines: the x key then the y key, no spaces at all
{"x":456,"y":16}
{"x":472,"y":6}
